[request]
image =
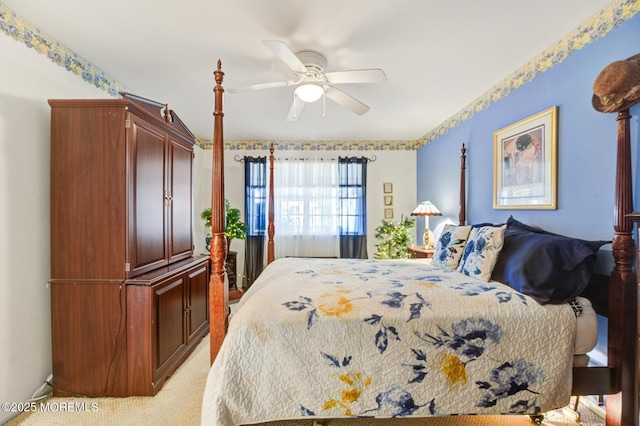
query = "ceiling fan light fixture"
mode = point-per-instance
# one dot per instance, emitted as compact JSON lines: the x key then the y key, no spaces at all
{"x":309,"y":92}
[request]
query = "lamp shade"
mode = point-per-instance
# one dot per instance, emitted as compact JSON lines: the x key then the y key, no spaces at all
{"x":426,"y":208}
{"x":309,"y":92}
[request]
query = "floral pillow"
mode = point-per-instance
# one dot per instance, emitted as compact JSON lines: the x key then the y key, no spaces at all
{"x":482,"y":250}
{"x":450,"y":246}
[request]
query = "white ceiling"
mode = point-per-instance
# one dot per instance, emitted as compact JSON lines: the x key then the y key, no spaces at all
{"x":438,"y":55}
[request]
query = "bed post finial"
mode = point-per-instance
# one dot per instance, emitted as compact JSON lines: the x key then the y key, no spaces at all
{"x":271,"y":227}
{"x":218,"y":283}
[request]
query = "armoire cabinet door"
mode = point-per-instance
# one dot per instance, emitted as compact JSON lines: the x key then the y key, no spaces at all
{"x":180,"y":243}
{"x":197,"y":302}
{"x":169,"y":323}
{"x":147,"y":196}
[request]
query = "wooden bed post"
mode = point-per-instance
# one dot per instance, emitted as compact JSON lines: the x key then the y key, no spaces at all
{"x":462,"y":215}
{"x":218,"y":287}
{"x":622,"y":408}
{"x":271,"y":227}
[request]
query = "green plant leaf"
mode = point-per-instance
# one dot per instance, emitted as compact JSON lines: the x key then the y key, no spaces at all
{"x":234,"y":228}
{"x":395,"y":238}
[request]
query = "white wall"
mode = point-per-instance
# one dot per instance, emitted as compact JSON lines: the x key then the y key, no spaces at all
{"x":397,"y":167}
{"x":27,"y":80}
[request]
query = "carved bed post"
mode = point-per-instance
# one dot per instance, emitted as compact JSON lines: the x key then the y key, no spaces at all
{"x":271,"y":227}
{"x":218,"y":287}
{"x":616,"y":89}
{"x":622,"y":408}
{"x":462,"y":215}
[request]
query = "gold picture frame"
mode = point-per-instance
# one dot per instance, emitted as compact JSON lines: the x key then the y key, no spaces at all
{"x":525,"y":169}
{"x":387,"y":187}
{"x":388,"y":200}
{"x":388,"y":213}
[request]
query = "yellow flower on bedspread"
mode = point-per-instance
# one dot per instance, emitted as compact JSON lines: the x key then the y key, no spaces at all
{"x":453,"y":369}
{"x":428,"y":284}
{"x":331,"y":403}
{"x":331,"y":271}
{"x":354,"y":379}
{"x":335,"y":304}
{"x":356,"y":384}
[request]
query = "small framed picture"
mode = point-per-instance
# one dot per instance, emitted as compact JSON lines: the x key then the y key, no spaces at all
{"x":388,"y":213}
{"x":387,"y":187}
{"x":388,"y":200}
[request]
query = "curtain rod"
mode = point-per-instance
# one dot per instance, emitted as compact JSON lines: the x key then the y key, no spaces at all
{"x":373,"y":158}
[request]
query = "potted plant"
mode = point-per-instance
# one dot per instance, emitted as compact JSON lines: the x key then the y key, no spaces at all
{"x":395,"y":239}
{"x":235,"y":228}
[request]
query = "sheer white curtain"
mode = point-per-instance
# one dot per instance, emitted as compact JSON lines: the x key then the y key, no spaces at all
{"x":306,"y":208}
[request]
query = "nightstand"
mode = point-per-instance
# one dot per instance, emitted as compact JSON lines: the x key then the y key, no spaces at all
{"x":230,"y":266}
{"x":421,"y":252}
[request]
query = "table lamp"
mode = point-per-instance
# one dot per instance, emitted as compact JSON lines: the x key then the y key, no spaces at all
{"x":426,"y":209}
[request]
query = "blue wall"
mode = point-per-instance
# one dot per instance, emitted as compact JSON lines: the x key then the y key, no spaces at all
{"x":586,"y":147}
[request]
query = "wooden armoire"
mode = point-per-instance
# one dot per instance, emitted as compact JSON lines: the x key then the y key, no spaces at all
{"x":129,"y":301}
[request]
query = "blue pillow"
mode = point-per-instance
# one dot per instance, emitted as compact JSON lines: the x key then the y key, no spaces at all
{"x":551,"y":268}
{"x":513,"y":223}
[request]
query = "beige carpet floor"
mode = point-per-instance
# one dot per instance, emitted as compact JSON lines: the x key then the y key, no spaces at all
{"x":178,"y":403}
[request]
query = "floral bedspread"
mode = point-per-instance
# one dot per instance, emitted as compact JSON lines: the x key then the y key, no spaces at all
{"x":332,"y":338}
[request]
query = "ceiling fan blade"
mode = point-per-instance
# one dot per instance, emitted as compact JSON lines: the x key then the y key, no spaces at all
{"x":260,"y":86}
{"x":346,"y":100}
{"x":375,"y":75}
{"x":296,"y":109}
{"x":285,"y":54}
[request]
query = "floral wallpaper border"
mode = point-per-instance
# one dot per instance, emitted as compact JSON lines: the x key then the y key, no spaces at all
{"x":23,"y":31}
{"x":598,"y":26}
{"x":396,"y":145}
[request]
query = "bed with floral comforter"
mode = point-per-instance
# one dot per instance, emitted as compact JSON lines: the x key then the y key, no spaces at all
{"x":332,"y":338}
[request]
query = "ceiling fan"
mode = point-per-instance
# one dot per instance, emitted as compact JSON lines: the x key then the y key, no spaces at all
{"x":313,"y":82}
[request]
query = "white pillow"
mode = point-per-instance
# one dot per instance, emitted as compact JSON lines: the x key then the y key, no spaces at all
{"x":481,"y":252}
{"x":450,"y":246}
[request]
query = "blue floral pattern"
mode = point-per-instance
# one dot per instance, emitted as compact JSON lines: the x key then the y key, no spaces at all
{"x":327,"y":338}
{"x":476,"y":288}
{"x":510,"y":379}
{"x":481,"y":252}
{"x":450,"y":246}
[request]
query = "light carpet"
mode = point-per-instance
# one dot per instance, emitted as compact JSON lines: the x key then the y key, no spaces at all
{"x":178,"y":403}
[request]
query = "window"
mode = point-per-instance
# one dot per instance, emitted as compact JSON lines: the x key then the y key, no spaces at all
{"x":307,"y":217}
{"x":317,"y":204}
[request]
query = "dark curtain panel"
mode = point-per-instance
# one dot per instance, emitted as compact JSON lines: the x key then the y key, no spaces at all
{"x":352,"y":178}
{"x":255,"y":211}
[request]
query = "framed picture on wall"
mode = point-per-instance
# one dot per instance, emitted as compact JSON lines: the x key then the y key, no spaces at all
{"x":387,"y":187}
{"x":525,"y":175}
{"x":388,"y":200}
{"x":388,"y":213}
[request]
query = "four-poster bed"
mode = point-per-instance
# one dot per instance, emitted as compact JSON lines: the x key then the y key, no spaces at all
{"x":619,"y":375}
